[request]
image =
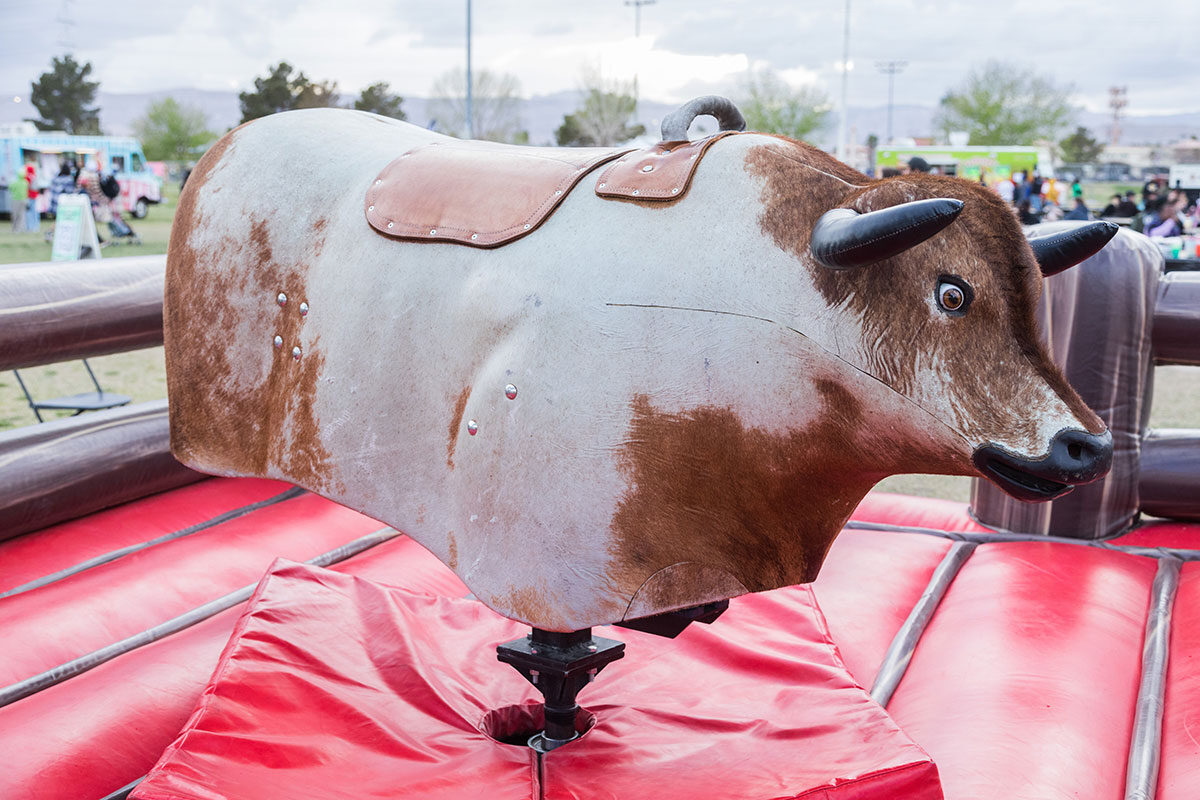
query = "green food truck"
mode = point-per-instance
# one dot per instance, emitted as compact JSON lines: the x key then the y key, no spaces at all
{"x":989,"y":163}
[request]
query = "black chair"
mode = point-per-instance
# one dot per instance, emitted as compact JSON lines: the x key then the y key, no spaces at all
{"x":79,"y":403}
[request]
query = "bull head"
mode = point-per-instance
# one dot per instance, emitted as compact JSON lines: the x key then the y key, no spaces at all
{"x":845,"y":239}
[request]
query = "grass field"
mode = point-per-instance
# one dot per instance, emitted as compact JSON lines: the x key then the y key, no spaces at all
{"x":141,"y":374}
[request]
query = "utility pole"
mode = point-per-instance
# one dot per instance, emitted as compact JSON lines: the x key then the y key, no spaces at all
{"x":1117,"y":100}
{"x":470,"y":110}
{"x":891,"y":69}
{"x":637,"y":14}
{"x":841,"y":140}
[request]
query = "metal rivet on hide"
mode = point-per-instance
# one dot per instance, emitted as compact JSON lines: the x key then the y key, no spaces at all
{"x":281,"y":299}
{"x":370,"y":208}
{"x":474,"y":236}
{"x":526,"y":226}
{"x":433,"y":231}
{"x":391,"y":224}
{"x":278,"y":342}
{"x":674,"y":191}
{"x":558,"y":191}
{"x":635,"y":191}
{"x":510,"y":392}
{"x":296,"y":353}
{"x":603,"y":185}
{"x":648,"y":168}
{"x":472,"y":427}
{"x":304,"y":309}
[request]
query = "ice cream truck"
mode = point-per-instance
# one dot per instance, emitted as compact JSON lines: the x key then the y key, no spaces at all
{"x":120,"y":155}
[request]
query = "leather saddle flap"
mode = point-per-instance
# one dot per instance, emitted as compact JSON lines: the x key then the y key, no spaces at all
{"x":476,"y":193}
{"x":661,"y":172}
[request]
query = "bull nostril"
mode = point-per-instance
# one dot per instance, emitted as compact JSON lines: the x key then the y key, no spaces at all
{"x":1075,"y":450}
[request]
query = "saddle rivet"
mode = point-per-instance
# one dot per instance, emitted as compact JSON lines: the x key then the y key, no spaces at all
{"x":474,"y":236}
{"x":472,"y":427}
{"x":510,"y":392}
{"x":278,"y":342}
{"x":296,"y":353}
{"x":603,"y":185}
{"x":526,"y":226}
{"x":635,"y":191}
{"x":391,"y":224}
{"x":304,"y":309}
{"x":433,"y":231}
{"x":370,"y":208}
{"x":558,"y":191}
{"x":648,"y":168}
{"x":674,"y":191}
{"x":281,"y":299}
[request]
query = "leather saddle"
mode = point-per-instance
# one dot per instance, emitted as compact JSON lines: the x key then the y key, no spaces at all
{"x":485,"y":194}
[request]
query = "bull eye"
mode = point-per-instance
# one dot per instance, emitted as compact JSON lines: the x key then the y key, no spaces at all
{"x":953,"y":295}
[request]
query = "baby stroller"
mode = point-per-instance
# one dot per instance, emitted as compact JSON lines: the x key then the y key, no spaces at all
{"x":120,"y":230}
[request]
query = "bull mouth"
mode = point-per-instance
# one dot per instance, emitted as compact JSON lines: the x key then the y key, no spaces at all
{"x":1021,"y":484}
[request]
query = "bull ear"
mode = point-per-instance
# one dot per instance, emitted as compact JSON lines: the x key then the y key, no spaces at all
{"x":1061,"y":251}
{"x":843,"y":238}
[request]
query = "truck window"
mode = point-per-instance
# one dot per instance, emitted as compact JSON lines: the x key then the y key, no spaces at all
{"x":136,"y":164}
{"x":118,"y":163}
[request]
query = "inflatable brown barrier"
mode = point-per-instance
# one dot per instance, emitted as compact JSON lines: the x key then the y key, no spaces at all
{"x":1108,"y":323}
{"x":68,"y":468}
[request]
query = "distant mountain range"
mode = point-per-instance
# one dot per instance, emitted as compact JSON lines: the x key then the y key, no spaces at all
{"x":542,"y":114}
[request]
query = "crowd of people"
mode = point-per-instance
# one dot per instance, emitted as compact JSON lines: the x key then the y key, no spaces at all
{"x":74,"y":176}
{"x":1036,"y":199}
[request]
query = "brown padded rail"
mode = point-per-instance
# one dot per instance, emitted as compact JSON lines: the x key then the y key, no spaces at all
{"x":1169,"y":483}
{"x":1177,"y":319}
{"x":481,"y":194}
{"x":661,"y":172}
{"x":57,"y":311}
{"x":68,"y":468}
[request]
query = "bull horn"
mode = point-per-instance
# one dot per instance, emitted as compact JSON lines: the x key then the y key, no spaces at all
{"x":1061,"y":251}
{"x":843,"y":238}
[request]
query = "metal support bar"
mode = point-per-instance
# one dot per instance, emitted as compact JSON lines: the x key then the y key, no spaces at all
{"x":1145,"y":745}
{"x":899,"y":652}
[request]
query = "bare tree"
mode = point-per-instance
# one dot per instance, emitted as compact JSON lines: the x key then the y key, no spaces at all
{"x":496,"y":105}
{"x":772,"y":105}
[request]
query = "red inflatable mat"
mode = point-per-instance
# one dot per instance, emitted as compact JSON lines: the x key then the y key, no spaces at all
{"x":92,"y":734}
{"x":1023,"y":686}
{"x":334,"y":686}
{"x":1179,"y":775}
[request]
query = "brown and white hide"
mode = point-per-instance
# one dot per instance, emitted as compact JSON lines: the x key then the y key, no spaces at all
{"x":698,"y":406}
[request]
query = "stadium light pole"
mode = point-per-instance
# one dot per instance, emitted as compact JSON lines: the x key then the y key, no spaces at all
{"x":891,"y":69}
{"x":470,"y":112}
{"x":841,"y":140}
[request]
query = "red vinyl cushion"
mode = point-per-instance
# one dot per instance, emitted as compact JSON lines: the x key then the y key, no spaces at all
{"x":1162,"y":533}
{"x":33,"y":555}
{"x":339,"y":687}
{"x":112,"y":601}
{"x":1179,"y":775}
{"x":94,"y":733}
{"x":897,"y":568}
{"x":1023,"y":686}
{"x":921,"y":512}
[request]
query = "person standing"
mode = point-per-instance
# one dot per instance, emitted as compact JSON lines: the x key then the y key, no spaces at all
{"x":32,"y":217}
{"x":18,"y":194}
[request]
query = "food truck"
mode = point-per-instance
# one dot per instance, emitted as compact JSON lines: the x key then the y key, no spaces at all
{"x":972,"y":162}
{"x":120,"y":155}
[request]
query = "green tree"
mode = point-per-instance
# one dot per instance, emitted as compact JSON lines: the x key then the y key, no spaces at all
{"x":1004,"y":104}
{"x":495,"y":105}
{"x":1080,"y":147}
{"x":172,"y":132}
{"x":378,"y":98}
{"x":606,"y":116}
{"x":283,"y":89}
{"x":772,"y":105}
{"x":63,"y":97}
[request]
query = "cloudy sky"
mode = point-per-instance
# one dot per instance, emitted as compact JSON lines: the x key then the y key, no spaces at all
{"x":687,"y":47}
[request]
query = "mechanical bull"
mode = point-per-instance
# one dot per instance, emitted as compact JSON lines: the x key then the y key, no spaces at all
{"x":651,"y":398}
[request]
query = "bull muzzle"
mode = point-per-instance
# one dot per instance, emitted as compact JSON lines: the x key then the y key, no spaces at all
{"x":1075,"y":457}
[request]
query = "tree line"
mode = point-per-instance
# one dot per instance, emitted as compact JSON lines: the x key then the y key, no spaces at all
{"x":996,"y":103}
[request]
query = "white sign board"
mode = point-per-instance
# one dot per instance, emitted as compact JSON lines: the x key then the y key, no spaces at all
{"x":74,"y":229}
